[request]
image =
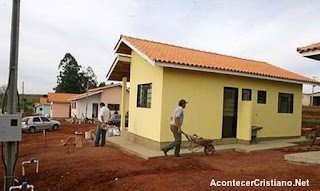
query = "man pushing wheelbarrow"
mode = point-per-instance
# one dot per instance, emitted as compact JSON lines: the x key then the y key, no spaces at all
{"x":175,"y":126}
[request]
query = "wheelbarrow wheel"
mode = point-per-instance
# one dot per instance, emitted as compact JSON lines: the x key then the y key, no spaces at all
{"x":209,"y":150}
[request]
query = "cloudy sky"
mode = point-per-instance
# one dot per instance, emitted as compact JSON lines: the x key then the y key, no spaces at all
{"x":262,"y":30}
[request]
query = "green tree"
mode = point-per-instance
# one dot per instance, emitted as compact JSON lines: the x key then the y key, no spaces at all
{"x":102,"y":84}
{"x":73,"y":78}
{"x":90,"y":77}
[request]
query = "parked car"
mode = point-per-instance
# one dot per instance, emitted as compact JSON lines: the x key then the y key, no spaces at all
{"x":35,"y":123}
{"x":116,"y":118}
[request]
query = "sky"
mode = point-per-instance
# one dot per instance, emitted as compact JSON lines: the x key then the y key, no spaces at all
{"x":268,"y":31}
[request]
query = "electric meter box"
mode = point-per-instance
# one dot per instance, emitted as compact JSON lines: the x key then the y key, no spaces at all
{"x":10,"y":127}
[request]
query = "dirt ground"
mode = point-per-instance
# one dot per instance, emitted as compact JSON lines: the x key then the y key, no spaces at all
{"x":107,"y":168}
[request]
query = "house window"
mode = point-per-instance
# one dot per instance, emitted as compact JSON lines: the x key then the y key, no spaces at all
{"x":246,"y":94}
{"x":285,"y":103}
{"x":262,"y":97}
{"x":114,"y":107}
{"x":316,"y":101}
{"x":74,"y":105}
{"x":40,"y":109}
{"x":144,"y":95}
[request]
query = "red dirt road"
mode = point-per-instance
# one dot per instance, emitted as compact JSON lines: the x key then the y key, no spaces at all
{"x":107,"y":168}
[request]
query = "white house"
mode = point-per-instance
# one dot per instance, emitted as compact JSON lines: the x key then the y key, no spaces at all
{"x":88,"y":103}
{"x":306,"y":99}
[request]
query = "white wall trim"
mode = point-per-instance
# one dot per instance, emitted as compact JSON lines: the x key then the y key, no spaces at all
{"x":84,"y":95}
{"x":229,"y":73}
{"x":311,"y":53}
{"x":112,"y":67}
{"x":124,"y":55}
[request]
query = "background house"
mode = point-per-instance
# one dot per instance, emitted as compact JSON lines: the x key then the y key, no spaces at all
{"x":227,"y":95}
{"x":42,"y":108}
{"x":315,"y":97}
{"x":60,"y":104}
{"x":110,"y":95}
{"x":313,"y":52}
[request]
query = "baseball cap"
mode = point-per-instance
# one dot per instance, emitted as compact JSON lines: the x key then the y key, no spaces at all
{"x":182,"y":101}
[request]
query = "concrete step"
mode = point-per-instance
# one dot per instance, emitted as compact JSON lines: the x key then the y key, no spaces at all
{"x":312,"y":157}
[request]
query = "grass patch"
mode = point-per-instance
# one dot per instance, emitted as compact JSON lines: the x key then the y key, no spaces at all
{"x":310,"y":122}
{"x":28,"y":99}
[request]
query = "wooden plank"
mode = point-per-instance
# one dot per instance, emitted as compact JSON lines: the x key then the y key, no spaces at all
{"x":69,"y":141}
{"x":78,"y":140}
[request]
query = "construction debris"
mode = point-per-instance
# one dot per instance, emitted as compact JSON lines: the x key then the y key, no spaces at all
{"x":78,"y":140}
{"x":69,"y":141}
{"x":74,"y":140}
{"x":31,"y":161}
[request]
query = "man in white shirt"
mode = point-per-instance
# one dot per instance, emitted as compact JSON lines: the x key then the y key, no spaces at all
{"x":103,"y":117}
{"x":175,"y":126}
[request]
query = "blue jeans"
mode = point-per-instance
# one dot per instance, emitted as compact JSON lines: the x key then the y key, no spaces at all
{"x":176,"y":143}
{"x":100,"y":132}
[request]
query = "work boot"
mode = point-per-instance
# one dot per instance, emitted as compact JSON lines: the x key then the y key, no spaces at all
{"x":164,"y":152}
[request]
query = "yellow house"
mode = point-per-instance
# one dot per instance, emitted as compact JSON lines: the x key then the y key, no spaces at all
{"x":227,"y":95}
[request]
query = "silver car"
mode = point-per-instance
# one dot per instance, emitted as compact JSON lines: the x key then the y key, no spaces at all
{"x":35,"y":123}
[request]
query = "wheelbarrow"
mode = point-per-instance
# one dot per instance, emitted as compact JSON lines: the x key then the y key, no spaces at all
{"x":313,"y":133}
{"x":197,"y":142}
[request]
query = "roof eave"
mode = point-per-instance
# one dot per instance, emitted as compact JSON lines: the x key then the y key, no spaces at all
{"x":313,"y":54}
{"x":202,"y":69}
{"x":66,"y":102}
{"x":126,"y":42}
{"x":84,"y":95}
{"x":123,"y":60}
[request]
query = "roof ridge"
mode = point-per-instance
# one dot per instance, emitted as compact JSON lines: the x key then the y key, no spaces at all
{"x":193,"y":49}
{"x":105,"y":87}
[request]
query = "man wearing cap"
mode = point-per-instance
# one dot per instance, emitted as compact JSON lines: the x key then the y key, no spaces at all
{"x":175,"y":126}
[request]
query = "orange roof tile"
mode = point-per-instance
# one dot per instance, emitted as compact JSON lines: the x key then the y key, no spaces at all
{"x":311,"y":47}
{"x":43,"y":100}
{"x":60,"y":97}
{"x":171,"y":54}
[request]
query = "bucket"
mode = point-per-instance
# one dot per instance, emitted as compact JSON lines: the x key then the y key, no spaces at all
{"x":87,"y":135}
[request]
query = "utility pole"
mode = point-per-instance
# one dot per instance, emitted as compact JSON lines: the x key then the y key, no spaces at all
{"x":22,"y":100}
{"x":12,"y":147}
{"x":87,"y":101}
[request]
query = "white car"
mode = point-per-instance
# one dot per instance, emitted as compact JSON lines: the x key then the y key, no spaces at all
{"x":35,"y":123}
